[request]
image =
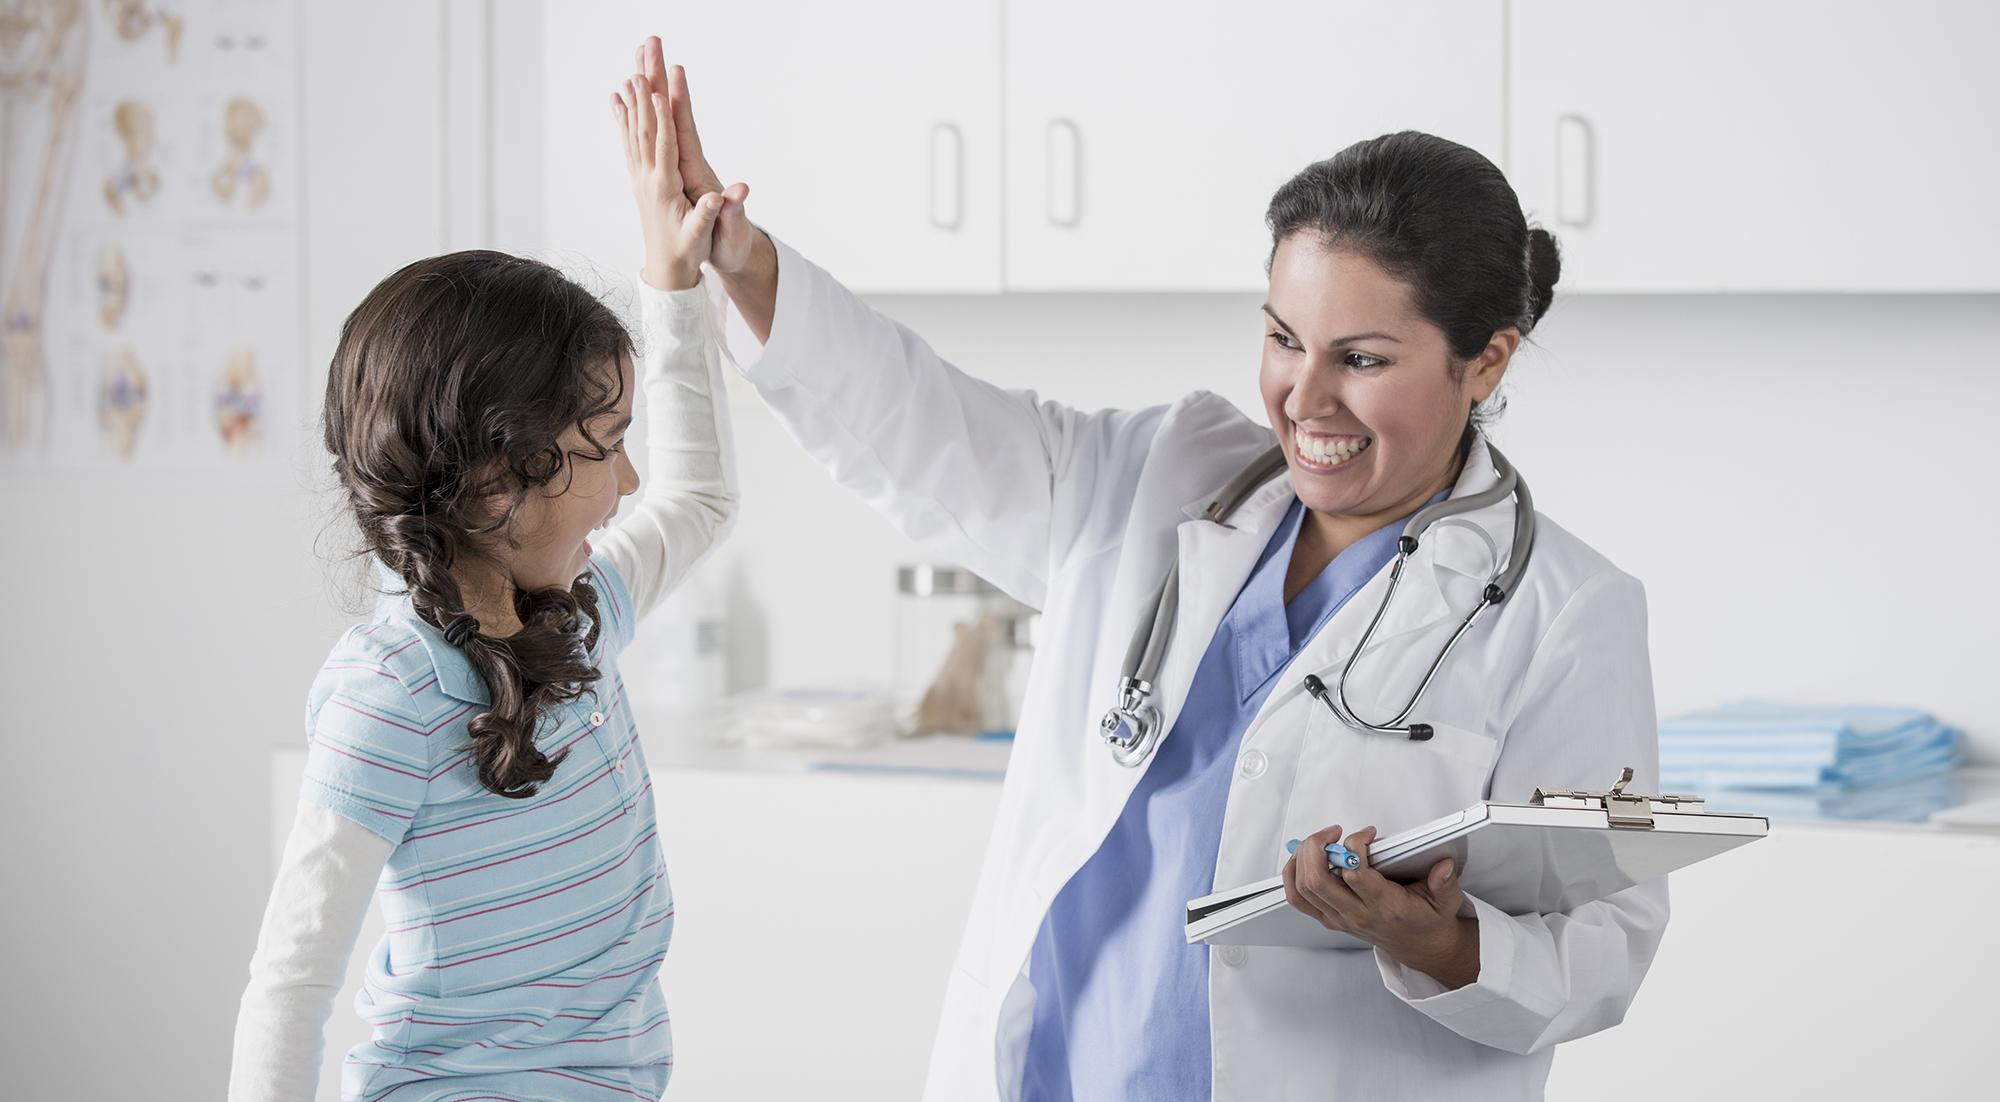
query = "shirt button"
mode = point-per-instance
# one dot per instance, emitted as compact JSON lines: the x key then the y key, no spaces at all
{"x":1252,"y":765}
{"x":596,"y":718}
{"x":1233,"y":955}
{"x":620,"y":767}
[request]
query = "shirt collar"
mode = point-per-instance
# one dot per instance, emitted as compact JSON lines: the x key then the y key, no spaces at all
{"x":455,"y":676}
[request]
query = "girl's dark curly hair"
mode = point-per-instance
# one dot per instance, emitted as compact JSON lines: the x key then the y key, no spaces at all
{"x":453,"y":382}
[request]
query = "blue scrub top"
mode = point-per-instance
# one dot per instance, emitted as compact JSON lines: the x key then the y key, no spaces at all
{"x":1121,"y":999}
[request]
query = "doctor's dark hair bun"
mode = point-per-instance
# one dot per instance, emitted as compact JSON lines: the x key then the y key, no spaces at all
{"x":1436,"y":215}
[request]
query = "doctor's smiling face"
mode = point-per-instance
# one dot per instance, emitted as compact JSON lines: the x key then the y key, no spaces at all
{"x":1361,"y":388}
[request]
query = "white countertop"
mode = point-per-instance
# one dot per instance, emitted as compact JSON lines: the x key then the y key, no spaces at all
{"x":1974,"y":789}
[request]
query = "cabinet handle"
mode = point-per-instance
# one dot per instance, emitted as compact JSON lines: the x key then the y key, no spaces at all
{"x":1065,"y":182}
{"x":947,"y":176}
{"x":1576,"y":171}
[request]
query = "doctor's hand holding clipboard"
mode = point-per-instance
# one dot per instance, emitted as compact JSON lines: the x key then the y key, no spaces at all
{"x":1344,"y":611}
{"x":1417,"y":924}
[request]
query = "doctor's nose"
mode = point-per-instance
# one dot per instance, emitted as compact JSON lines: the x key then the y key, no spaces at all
{"x":1313,"y":400}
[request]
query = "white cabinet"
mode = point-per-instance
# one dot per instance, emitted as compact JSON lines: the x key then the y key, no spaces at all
{"x":1145,"y":137}
{"x":1776,"y":145}
{"x":869,"y":133}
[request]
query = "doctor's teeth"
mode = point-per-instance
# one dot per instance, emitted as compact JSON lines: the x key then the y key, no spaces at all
{"x":1331,"y":452}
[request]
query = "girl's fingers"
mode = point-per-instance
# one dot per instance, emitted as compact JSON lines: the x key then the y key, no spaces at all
{"x":624,"y":128}
{"x":665,"y":154}
{"x":642,"y":100}
{"x":624,"y":111}
{"x":635,"y":111}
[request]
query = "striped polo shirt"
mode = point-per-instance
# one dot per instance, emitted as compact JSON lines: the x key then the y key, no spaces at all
{"x":524,"y":936}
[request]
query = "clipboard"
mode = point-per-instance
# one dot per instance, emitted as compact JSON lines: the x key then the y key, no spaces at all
{"x":1564,"y":848}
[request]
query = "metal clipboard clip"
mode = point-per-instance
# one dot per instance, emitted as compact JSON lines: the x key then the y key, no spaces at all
{"x":1630,"y":810}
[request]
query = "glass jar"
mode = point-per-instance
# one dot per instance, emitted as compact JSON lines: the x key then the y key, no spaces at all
{"x":962,"y":652}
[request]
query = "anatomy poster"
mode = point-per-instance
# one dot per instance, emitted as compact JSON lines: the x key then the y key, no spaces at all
{"x":149,"y":252}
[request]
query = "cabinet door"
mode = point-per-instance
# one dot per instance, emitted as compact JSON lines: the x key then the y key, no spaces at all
{"x":1145,"y":137}
{"x":1761,"y":145}
{"x":868,"y":132}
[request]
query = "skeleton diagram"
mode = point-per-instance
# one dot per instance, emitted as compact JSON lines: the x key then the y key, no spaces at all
{"x":114,"y":285}
{"x":132,"y":19}
{"x":121,"y":401}
{"x":41,"y":68}
{"x":136,"y":178}
{"x":238,"y":401}
{"x":241,"y":121}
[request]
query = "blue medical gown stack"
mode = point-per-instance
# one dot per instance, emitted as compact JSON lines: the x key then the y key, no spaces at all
{"x":1811,"y":760}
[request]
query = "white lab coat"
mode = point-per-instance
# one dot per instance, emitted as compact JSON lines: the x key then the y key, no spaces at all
{"x":1080,"y":514}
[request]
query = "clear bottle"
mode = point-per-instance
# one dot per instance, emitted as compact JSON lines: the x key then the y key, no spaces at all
{"x":678,"y":663}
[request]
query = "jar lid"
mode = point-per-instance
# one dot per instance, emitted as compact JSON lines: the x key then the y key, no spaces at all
{"x":926,"y":580}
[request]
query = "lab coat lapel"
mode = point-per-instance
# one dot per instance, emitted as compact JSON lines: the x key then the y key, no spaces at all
{"x":1215,"y":561}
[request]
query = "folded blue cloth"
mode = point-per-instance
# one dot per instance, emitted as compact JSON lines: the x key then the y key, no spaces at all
{"x":1829,"y":748}
{"x":1911,"y":801}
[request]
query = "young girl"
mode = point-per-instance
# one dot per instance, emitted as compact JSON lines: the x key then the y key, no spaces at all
{"x":473,"y":758}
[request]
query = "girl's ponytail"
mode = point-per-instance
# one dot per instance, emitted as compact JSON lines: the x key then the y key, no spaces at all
{"x":453,"y":381}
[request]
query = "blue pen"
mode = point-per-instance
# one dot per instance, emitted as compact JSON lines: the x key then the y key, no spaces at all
{"x":1337,"y":855}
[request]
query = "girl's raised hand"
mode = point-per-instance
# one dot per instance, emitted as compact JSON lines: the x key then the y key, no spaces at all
{"x":679,"y":228}
{"x":734,"y":235}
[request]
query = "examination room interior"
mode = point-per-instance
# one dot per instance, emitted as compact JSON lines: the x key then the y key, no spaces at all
{"x":1790,"y":447}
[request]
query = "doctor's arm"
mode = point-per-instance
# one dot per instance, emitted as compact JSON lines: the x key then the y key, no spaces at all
{"x":996,"y":480}
{"x":1586,"y":711}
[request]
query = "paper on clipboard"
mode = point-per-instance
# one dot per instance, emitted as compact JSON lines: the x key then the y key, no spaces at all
{"x":1520,"y":858}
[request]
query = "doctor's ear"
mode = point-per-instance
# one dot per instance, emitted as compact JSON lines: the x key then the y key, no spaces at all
{"x":1482,"y":373}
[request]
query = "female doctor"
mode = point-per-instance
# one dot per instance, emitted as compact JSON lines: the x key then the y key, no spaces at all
{"x":1403,"y":277}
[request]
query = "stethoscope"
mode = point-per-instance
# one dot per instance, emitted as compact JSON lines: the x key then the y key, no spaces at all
{"x":1141,"y":720}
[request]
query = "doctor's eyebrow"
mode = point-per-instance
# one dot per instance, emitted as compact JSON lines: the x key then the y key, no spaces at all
{"x":1335,"y":343}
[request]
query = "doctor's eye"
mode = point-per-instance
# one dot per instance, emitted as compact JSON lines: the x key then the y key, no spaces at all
{"x":1362,"y":361}
{"x":1283,"y":339}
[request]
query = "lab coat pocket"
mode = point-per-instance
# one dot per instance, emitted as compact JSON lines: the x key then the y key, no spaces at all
{"x":1356,"y":779}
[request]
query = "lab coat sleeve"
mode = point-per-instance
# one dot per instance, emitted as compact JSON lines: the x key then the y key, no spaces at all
{"x":325,"y":880}
{"x":689,"y":499}
{"x":972,"y":471}
{"x":1586,"y":711}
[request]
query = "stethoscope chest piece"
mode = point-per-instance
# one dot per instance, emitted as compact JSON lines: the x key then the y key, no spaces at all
{"x":1131,"y":729}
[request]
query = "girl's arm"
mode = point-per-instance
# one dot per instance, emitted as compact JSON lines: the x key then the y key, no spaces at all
{"x":324,"y":883}
{"x":689,"y":500}
{"x":691,"y":461}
